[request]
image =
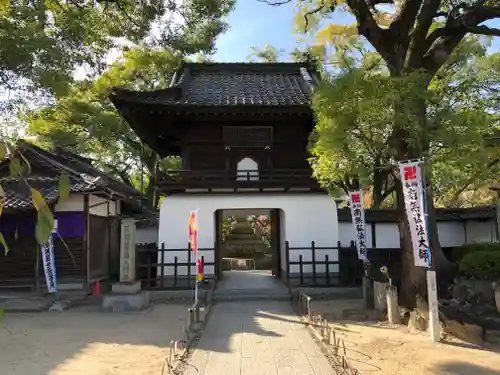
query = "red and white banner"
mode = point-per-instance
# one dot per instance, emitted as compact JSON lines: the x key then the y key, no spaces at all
{"x":193,"y":231}
{"x":193,"y":240}
{"x":358,"y":220}
{"x":411,"y":178}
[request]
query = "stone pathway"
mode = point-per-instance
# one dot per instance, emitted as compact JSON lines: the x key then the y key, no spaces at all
{"x":256,"y":337}
{"x":250,"y":282}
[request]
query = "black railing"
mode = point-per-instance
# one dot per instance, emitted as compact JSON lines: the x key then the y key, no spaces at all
{"x":233,"y":178}
{"x":152,"y":265}
{"x":320,"y":270}
{"x":351,"y":269}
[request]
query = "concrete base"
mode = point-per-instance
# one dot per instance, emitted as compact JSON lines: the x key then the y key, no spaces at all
{"x":126,"y":288}
{"x":70,"y":286}
{"x":115,"y":302}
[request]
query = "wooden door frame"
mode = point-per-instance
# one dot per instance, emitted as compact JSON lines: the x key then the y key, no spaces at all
{"x":217,"y":244}
{"x":276,"y":241}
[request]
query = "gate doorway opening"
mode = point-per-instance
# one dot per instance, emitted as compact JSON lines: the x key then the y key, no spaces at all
{"x":248,"y":245}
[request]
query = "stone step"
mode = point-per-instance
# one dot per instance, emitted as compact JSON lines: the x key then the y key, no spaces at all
{"x":250,"y":240}
{"x":224,"y":297}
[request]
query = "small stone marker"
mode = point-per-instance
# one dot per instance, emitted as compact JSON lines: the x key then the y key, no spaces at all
{"x":434,"y":327}
{"x":392,"y":305}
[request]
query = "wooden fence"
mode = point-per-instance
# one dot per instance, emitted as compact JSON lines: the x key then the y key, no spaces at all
{"x":152,"y":263}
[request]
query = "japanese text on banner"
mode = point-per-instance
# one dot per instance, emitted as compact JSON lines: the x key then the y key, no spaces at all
{"x":49,"y":266}
{"x":411,"y":178}
{"x":358,"y":220}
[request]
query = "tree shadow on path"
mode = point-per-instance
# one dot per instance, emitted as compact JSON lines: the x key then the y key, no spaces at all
{"x":463,"y":368}
{"x":230,"y":321}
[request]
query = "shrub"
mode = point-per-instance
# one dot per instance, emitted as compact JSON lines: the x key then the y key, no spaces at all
{"x":458,"y":253}
{"x":481,"y":265}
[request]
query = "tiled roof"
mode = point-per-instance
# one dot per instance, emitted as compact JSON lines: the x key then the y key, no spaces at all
{"x":389,"y":215}
{"x":46,"y":170}
{"x":232,"y":84}
{"x":18,"y":196}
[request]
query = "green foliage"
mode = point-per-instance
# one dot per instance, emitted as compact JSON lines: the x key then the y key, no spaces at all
{"x":4,"y":243}
{"x":86,"y":122}
{"x":43,"y":40}
{"x":64,"y":186}
{"x":460,"y":252}
{"x":358,"y":105}
{"x":481,"y":265}
{"x":268,"y":54}
{"x":20,"y":169}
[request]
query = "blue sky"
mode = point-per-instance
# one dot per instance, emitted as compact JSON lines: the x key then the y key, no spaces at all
{"x":253,"y":23}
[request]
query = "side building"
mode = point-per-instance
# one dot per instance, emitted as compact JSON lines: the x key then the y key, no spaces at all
{"x":87,"y":244}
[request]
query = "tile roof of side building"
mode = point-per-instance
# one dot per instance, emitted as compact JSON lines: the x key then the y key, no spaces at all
{"x":83,"y":177}
{"x":232,"y":84}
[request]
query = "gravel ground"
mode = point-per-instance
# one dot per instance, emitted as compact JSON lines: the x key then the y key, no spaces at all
{"x":377,"y":348}
{"x":85,"y":341}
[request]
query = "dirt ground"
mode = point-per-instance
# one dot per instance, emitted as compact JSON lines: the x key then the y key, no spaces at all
{"x":86,"y":341}
{"x":377,"y":348}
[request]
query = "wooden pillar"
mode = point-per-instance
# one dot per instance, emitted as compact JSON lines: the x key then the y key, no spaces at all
{"x":276,"y":245}
{"x":86,"y":241}
{"x":217,"y":249}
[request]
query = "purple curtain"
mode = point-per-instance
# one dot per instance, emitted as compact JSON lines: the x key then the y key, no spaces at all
{"x":70,"y":224}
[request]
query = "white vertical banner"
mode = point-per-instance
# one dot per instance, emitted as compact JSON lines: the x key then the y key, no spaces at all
{"x":358,"y":220}
{"x":49,"y":263}
{"x":411,"y":178}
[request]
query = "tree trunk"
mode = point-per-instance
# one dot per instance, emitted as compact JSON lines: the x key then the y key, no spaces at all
{"x":413,"y":279}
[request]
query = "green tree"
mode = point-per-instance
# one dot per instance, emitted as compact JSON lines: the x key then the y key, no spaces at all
{"x":85,"y":121}
{"x":415,"y":39}
{"x":268,"y":54}
{"x":469,"y":74}
{"x":43,"y":41}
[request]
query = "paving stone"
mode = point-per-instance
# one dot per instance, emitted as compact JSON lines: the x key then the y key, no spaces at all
{"x":256,"y":338}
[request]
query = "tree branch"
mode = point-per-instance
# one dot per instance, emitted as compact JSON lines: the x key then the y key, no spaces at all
{"x":404,"y":21}
{"x":382,"y":40}
{"x":461,"y":20}
{"x":422,"y":25}
{"x":275,"y":3}
{"x":483,"y":30}
{"x":471,"y":179}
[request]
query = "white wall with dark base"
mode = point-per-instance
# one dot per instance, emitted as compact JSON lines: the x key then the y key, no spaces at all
{"x":451,"y":233}
{"x":303,"y":217}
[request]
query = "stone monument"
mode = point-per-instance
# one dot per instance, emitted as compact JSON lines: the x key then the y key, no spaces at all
{"x":127,"y":295}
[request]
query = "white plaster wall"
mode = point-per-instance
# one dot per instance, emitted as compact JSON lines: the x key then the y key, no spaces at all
{"x":74,"y":203}
{"x":347,"y":234}
{"x":99,"y":206}
{"x":451,"y":233}
{"x":480,"y":231}
{"x":146,"y":235}
{"x":307,"y":217}
{"x":387,"y":235}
